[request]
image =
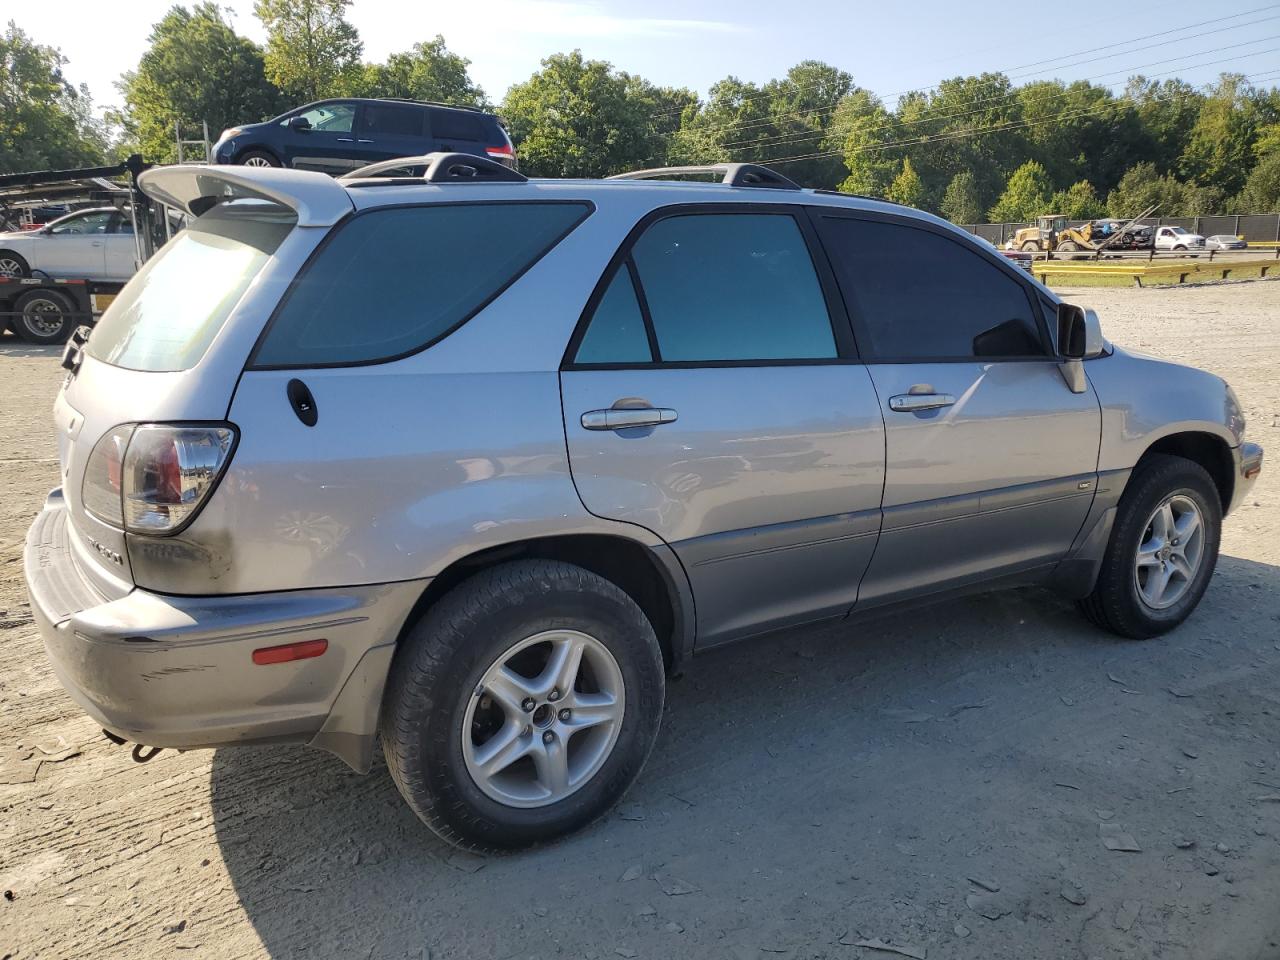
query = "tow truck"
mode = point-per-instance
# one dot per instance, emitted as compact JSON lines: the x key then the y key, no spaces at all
{"x":45,"y":310}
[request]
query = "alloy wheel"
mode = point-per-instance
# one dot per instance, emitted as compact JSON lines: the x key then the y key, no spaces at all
{"x":257,"y":162}
{"x":10,"y":267}
{"x":1170,"y":552}
{"x":543,"y":719}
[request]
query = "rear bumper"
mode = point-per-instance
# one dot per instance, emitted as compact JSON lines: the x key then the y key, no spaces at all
{"x":171,"y":671}
{"x":1248,"y":465}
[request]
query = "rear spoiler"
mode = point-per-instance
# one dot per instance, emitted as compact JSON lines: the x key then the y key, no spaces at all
{"x":316,"y":198}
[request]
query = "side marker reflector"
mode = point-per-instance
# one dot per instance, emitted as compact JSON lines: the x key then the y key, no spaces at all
{"x":286,"y":652}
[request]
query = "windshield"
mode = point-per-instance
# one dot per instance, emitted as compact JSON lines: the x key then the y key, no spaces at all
{"x":168,"y":314}
{"x":1176,"y":230}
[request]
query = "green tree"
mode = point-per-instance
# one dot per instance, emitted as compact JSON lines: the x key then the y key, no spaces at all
{"x":1025,"y":197}
{"x":962,"y":203}
{"x":786,"y":121}
{"x":1167,"y":112}
{"x":861,"y":128}
{"x":581,"y":118}
{"x":1261,"y":193}
{"x":1079,"y":202}
{"x":312,"y":51}
{"x":44,"y":121}
{"x":196,"y":69}
{"x":907,"y":187}
{"x":1219,"y":147}
{"x":1142,"y":186}
{"x":427,"y":71}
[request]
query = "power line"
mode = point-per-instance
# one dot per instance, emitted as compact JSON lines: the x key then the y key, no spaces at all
{"x":964,"y":134}
{"x":801,"y":114}
{"x":1189,"y":26}
{"x":1013,"y":95}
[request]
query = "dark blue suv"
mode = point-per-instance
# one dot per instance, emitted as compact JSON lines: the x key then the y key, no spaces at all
{"x":337,"y":136}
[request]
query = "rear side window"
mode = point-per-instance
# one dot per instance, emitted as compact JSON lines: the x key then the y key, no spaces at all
{"x":617,"y":332}
{"x":732,"y":287}
{"x":392,"y":120}
{"x":168,"y":314}
{"x":917,"y":295}
{"x":392,"y":282}
{"x":456,"y":125}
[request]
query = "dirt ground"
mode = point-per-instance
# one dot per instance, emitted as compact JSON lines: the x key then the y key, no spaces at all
{"x":941,"y":783}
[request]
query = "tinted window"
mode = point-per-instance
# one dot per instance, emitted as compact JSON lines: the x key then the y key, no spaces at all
{"x":733,"y":287}
{"x":169,"y":313}
{"x":916,"y":294}
{"x":392,"y":120}
{"x":391,"y":281}
{"x":616,"y":333}
{"x":456,"y":125}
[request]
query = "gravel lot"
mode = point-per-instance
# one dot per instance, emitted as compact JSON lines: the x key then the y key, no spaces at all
{"x":943,"y":785}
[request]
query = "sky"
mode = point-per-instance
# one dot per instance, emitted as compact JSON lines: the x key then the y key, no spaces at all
{"x":888,"y":48}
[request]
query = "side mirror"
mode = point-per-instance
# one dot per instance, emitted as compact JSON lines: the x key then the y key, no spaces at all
{"x":299,"y":123}
{"x":1072,"y":338}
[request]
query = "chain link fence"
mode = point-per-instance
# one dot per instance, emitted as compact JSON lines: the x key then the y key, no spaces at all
{"x":1254,"y":227}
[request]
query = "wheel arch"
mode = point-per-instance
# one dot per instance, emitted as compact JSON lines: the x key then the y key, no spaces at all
{"x":650,"y":575}
{"x":1206,"y":449}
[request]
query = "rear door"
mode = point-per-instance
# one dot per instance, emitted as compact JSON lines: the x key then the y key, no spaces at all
{"x":76,"y":247}
{"x":991,"y":459}
{"x":459,"y":130}
{"x":389,"y":130}
{"x":121,"y":249}
{"x":712,"y":396}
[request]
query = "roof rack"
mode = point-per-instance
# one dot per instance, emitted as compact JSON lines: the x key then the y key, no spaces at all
{"x":435,"y":103}
{"x":443,"y":168}
{"x":734,"y":175}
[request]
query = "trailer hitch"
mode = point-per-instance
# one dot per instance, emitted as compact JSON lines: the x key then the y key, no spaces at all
{"x":140,"y":753}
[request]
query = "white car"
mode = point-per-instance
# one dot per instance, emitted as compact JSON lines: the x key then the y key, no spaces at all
{"x":94,"y":244}
{"x":1177,"y":238}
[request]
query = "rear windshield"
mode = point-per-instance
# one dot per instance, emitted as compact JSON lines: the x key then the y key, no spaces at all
{"x":391,"y":282}
{"x":167,"y":316}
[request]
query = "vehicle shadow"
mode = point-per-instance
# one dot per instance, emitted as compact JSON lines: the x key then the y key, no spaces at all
{"x":803,"y":786}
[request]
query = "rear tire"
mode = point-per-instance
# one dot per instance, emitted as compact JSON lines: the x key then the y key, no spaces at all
{"x":43,"y":317}
{"x":449,"y":694}
{"x":13,"y":265}
{"x":257,"y":158}
{"x":1122,"y":599}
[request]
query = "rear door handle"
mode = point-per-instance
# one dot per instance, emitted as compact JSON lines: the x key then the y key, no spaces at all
{"x":621,"y":419}
{"x":345,"y":140}
{"x":916,"y":402}
{"x":364,"y":141}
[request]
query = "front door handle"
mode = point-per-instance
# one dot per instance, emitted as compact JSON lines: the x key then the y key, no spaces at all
{"x":917,"y":402}
{"x":621,"y":418}
{"x":362,"y":140}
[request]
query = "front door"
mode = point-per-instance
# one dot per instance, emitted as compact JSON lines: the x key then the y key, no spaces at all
{"x":76,"y":246}
{"x":712,"y":400}
{"x":327,"y":143}
{"x":991,"y":460}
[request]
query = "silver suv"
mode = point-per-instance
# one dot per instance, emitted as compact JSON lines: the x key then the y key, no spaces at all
{"x":473,"y":463}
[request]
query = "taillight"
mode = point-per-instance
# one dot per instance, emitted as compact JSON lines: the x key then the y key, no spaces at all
{"x":504,"y":152}
{"x":153,"y":478}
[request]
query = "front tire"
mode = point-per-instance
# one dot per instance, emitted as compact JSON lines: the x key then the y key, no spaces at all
{"x":522,"y":705}
{"x":257,"y":158}
{"x":13,"y":265}
{"x":1162,"y":552}
{"x":1030,"y":246}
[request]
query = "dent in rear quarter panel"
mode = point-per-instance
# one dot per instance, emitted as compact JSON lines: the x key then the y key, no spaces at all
{"x":404,"y":473}
{"x":1144,"y":399}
